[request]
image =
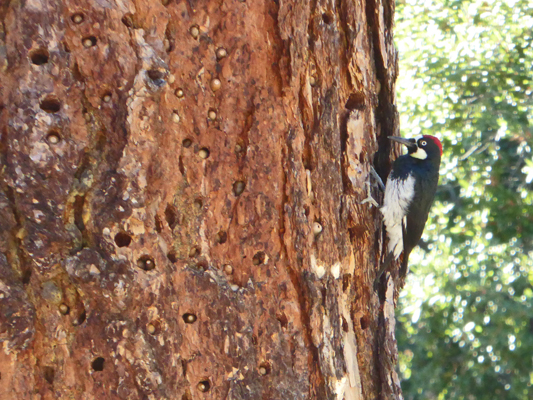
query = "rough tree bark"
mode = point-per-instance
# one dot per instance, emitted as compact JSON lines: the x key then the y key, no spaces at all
{"x":180,"y":199}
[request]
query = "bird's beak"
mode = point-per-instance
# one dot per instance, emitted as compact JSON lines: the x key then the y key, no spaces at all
{"x":410,"y":143}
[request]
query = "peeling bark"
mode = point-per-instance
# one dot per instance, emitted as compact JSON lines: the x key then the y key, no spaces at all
{"x":181,"y":199}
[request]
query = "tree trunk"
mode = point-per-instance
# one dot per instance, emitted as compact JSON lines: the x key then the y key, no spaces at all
{"x":180,"y":199}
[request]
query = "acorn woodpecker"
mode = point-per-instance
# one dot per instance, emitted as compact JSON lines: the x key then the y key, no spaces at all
{"x":409,"y":193}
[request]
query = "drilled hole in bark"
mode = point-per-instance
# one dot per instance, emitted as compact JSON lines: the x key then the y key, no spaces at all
{"x":169,"y":41}
{"x":98,"y":364}
{"x":165,"y":2}
{"x":259,"y":258}
{"x":198,"y":204}
{"x":187,"y":143}
{"x":283,"y":320}
{"x":78,"y":205}
{"x":170,"y":216}
{"x":204,"y":385}
{"x":172,"y":257}
{"x":53,"y":137}
{"x":323,"y":293}
{"x":346,"y":278}
{"x":264,"y":368}
{"x":202,"y":264}
{"x":49,"y":374}
{"x":345,"y":326}
{"x":156,"y":75}
{"x":356,"y":101}
{"x":89,"y":41}
{"x":80,"y":319}
{"x":189,"y":318}
{"x":365,"y":322}
{"x":146,"y":262}
{"x":76,"y":73}
{"x":50,"y":104}
{"x":77,"y":18}
{"x":222,"y":237}
{"x":39,"y":56}
{"x":122,"y":239}
{"x":181,"y":166}
{"x":307,"y":159}
{"x":158,"y":224}
{"x":327,"y":17}
{"x":26,"y":276}
{"x":238,"y":188}
{"x":127,"y":20}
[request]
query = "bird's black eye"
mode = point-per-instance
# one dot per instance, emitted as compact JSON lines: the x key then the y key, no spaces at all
{"x":423,"y":143}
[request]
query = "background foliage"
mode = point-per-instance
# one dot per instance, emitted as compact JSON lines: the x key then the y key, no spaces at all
{"x":465,"y":320}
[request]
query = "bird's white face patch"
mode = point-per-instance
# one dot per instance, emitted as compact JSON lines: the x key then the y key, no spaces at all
{"x":398,"y":197}
{"x":420,"y":154}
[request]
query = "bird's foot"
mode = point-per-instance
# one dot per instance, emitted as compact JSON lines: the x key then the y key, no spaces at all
{"x":369,"y":198}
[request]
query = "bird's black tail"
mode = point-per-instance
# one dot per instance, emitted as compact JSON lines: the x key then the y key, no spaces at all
{"x":406,"y":252}
{"x":403,"y":268}
{"x":384,"y":267}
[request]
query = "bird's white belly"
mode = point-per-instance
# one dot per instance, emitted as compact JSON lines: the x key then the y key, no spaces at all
{"x":398,"y":197}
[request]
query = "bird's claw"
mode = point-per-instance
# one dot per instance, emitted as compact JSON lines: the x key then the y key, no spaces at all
{"x":368,"y":185}
{"x":369,"y":198}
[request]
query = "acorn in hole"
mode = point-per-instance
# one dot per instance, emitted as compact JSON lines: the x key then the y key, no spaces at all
{"x":146,"y":263}
{"x":238,"y":188}
{"x":189,"y":318}
{"x":194,"y":31}
{"x":89,"y":41}
{"x":204,"y":386}
{"x":77,"y":18}
{"x":215,"y":84}
{"x":53,"y":137}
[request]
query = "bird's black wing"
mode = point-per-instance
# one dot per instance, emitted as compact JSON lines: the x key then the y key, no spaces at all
{"x":405,"y":260}
{"x":425,"y":189}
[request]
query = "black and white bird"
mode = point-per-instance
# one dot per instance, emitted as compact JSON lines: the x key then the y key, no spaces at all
{"x":409,"y":194}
